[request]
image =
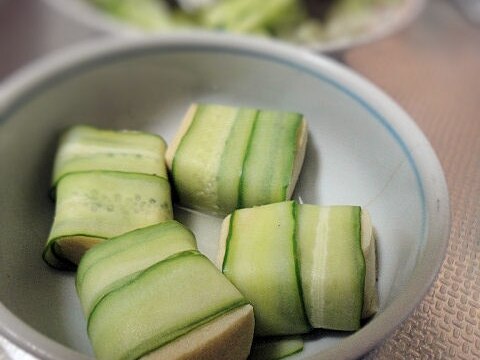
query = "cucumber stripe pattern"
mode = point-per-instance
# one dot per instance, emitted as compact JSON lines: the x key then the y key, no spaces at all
{"x":111,"y":261}
{"x":260,"y":261}
{"x":84,"y":148}
{"x":231,"y":158}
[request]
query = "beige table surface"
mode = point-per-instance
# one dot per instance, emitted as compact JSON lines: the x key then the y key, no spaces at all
{"x":432,"y":69}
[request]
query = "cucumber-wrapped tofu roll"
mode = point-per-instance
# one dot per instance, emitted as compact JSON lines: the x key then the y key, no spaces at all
{"x":105,"y":183}
{"x":223,"y":158}
{"x":288,"y":258}
{"x":84,"y":148}
{"x":92,"y":206}
{"x":181,"y":307}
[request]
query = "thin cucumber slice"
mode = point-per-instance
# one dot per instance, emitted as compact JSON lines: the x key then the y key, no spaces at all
{"x":270,"y":158}
{"x":197,"y":160}
{"x":96,"y":205}
{"x":112,"y":260}
{"x":85,"y":148}
{"x":233,"y":157}
{"x":259,"y":259}
{"x":224,"y":158}
{"x":332,"y":265}
{"x":274,"y":348}
{"x":161,"y":304}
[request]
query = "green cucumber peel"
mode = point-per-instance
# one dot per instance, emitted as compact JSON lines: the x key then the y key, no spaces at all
{"x":264,"y":164}
{"x":224,"y":158}
{"x":332,"y":265}
{"x":163,"y":206}
{"x":136,"y":250}
{"x":274,"y":295}
{"x":297,"y":261}
{"x":85,"y":148}
{"x":126,"y":240}
{"x":199,"y":154}
{"x":233,"y":159}
{"x":103,"y":204}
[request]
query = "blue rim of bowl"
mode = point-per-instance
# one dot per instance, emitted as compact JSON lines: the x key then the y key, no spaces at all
{"x":67,"y":64}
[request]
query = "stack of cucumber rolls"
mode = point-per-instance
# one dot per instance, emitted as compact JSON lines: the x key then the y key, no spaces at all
{"x":105,"y":183}
{"x":283,"y":268}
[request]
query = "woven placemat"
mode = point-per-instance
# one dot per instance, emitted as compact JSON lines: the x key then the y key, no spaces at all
{"x":432,"y":69}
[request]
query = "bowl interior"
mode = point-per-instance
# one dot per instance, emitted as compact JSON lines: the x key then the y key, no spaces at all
{"x":356,"y":155}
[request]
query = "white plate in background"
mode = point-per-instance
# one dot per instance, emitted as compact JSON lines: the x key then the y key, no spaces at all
{"x":384,"y":20}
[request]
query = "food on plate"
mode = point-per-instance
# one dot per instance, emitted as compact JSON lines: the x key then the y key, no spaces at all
{"x":299,"y":21}
{"x":120,"y":257}
{"x":106,"y":183}
{"x":223,"y":158}
{"x":150,"y":294}
{"x":301,"y":266}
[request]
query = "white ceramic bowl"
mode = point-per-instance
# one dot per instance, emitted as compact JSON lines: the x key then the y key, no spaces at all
{"x":385,"y":20}
{"x":363,"y":149}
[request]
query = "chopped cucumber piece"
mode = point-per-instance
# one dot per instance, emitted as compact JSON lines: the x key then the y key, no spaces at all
{"x":84,"y":148}
{"x":332,"y":265}
{"x":112,"y":260}
{"x":274,"y":348}
{"x":224,"y":158}
{"x":96,"y":205}
{"x":160,"y":305}
{"x":260,"y":260}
